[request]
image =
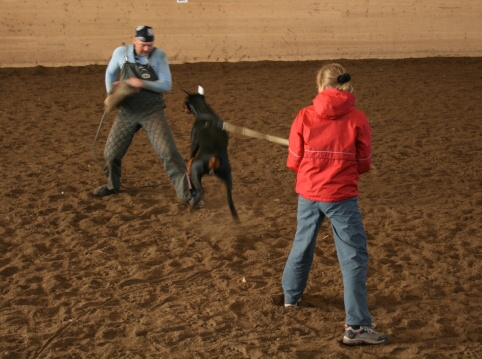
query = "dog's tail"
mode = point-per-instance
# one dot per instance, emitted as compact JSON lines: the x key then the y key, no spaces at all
{"x":214,"y":163}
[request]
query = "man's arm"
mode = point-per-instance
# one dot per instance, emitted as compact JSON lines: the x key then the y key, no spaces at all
{"x":113,"y":68}
{"x":160,"y":64}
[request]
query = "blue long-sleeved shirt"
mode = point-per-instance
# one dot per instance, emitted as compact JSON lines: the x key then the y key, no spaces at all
{"x":158,"y":62}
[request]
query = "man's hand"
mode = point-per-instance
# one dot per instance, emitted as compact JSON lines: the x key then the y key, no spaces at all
{"x":135,"y":83}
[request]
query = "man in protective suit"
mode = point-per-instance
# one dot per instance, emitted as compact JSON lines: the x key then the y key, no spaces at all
{"x":144,"y":70}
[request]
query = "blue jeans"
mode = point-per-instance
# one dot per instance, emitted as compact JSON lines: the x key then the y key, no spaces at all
{"x":351,"y":248}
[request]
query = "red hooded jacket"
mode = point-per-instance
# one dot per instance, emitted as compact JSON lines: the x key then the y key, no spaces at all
{"x":329,"y":147}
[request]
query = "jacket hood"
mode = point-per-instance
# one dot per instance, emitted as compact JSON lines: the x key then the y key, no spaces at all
{"x":332,"y":103}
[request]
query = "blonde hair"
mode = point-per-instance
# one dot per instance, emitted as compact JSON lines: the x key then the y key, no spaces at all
{"x":334,"y":76}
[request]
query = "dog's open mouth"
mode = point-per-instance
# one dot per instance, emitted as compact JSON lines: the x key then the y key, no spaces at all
{"x":186,"y":109}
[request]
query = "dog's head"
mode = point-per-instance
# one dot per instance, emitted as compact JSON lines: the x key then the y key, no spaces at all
{"x":195,"y":103}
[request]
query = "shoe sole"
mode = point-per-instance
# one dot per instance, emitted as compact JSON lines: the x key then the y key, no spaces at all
{"x":289,"y":305}
{"x":103,"y":194}
{"x":198,"y":206}
{"x":354,"y":342}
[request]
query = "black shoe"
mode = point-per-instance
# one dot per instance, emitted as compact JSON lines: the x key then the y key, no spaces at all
{"x":196,"y":204}
{"x":103,"y":191}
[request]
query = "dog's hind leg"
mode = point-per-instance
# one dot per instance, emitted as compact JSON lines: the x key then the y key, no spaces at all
{"x":197,"y":172}
{"x":229,"y":187}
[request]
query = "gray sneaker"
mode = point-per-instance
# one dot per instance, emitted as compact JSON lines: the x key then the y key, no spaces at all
{"x":364,"y":335}
{"x":103,"y":191}
{"x":288,"y":305}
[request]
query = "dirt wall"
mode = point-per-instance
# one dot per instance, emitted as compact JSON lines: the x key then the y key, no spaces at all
{"x":60,"y":33}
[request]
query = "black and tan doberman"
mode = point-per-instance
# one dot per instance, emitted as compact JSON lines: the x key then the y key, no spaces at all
{"x":209,"y":148}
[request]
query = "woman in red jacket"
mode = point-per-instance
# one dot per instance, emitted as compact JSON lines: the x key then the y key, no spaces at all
{"x":329,"y":148}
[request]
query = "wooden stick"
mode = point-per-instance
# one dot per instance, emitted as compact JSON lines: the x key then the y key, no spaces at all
{"x":98,"y":130}
{"x":250,"y":133}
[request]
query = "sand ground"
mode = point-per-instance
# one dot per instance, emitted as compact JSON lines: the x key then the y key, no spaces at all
{"x":136,"y":276}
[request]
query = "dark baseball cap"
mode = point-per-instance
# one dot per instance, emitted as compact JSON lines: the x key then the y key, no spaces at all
{"x":144,"y":33}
